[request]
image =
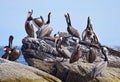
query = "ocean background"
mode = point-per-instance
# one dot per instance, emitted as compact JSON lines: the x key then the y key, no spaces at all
{"x":19,"y":60}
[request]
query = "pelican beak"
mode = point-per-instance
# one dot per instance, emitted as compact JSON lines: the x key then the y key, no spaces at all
{"x":30,"y":11}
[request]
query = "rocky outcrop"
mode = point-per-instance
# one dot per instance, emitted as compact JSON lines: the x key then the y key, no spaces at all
{"x":46,"y":58}
{"x":15,"y":72}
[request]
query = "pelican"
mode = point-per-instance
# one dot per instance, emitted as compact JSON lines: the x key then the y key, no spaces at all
{"x":7,"y":49}
{"x":46,"y":28}
{"x":64,"y":36}
{"x":92,"y":55}
{"x":76,"y":55}
{"x":11,"y":53}
{"x":63,"y":51}
{"x":28,"y":26}
{"x":89,"y":27}
{"x":88,"y":34}
{"x":101,"y":66}
{"x":71,"y":30}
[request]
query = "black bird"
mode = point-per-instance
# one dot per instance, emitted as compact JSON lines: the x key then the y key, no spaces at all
{"x":71,"y":30}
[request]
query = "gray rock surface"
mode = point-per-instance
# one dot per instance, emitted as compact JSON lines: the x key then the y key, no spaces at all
{"x":46,"y":58}
{"x":15,"y":72}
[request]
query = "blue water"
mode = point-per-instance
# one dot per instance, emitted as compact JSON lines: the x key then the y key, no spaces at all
{"x":19,"y":60}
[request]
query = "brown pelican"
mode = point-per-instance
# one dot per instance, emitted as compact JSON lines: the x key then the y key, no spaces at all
{"x":28,"y":26}
{"x":92,"y":55}
{"x":76,"y":55}
{"x":7,"y":49}
{"x":88,"y":34}
{"x":11,"y":54}
{"x":71,"y":30}
{"x":46,"y":28}
{"x":89,"y":27}
{"x":64,"y":36}
{"x":101,"y":66}
{"x":63,"y":51}
{"x":37,"y":22}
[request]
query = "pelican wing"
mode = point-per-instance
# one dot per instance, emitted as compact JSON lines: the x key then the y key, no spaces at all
{"x":45,"y":30}
{"x":74,"y":31}
{"x":5,"y":55}
{"x":37,"y":23}
{"x":75,"y":56}
{"x":29,"y":29}
{"x":98,"y":68}
{"x":15,"y":54}
{"x":66,"y":52}
{"x":83,"y":35}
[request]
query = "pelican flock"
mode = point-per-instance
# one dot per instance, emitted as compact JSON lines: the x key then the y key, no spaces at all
{"x":44,"y":30}
{"x":70,"y":37}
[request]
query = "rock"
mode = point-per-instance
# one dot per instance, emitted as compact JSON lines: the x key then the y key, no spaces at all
{"x":75,"y":72}
{"x":50,"y":62}
{"x":15,"y":72}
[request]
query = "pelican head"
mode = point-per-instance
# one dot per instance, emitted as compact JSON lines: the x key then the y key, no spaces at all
{"x":30,"y":12}
{"x":11,"y":37}
{"x":66,"y":15}
{"x":7,"y":49}
{"x":89,"y":23}
{"x":105,"y":53}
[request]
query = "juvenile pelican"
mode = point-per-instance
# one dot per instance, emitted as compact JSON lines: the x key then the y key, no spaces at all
{"x":101,"y":66}
{"x":76,"y":55}
{"x":92,"y":55}
{"x":63,"y":51}
{"x":28,"y":26}
{"x":71,"y":30}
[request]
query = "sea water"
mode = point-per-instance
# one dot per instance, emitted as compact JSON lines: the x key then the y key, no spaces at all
{"x":19,"y":60}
